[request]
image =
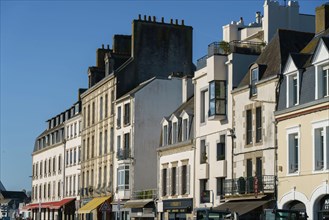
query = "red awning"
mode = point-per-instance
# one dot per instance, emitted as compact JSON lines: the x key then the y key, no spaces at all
{"x":48,"y":205}
{"x":59,"y":204}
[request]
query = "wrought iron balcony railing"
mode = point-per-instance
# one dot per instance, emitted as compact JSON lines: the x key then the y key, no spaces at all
{"x":123,"y":154}
{"x":145,"y":194}
{"x":247,"y":185}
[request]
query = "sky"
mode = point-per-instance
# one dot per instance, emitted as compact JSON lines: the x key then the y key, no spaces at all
{"x":47,"y":47}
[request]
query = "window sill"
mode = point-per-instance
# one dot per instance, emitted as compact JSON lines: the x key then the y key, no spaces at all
{"x":293,"y":174}
{"x":216,"y":117}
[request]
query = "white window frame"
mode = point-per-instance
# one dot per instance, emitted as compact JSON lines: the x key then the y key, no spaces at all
{"x":316,"y":125}
{"x":319,"y":68}
{"x":289,"y":95}
{"x":290,"y":131}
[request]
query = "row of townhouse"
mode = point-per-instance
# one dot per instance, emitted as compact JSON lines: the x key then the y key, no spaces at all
{"x":219,"y":134}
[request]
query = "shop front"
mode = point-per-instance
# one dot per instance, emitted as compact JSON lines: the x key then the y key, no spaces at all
{"x":141,"y":209}
{"x":58,"y":210}
{"x":177,"y":209}
{"x":97,"y":209}
{"x":323,"y":213}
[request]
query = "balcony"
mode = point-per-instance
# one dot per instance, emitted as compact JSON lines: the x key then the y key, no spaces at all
{"x":225,"y":48}
{"x":123,"y":154}
{"x":145,"y":194}
{"x":246,"y":185}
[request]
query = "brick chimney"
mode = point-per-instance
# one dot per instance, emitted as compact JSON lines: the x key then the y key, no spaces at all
{"x":322,"y":18}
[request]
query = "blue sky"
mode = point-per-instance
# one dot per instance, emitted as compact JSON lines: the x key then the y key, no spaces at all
{"x":47,"y":46}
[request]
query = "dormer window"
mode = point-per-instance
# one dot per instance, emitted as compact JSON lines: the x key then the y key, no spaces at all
{"x":174,"y":133}
{"x":292,"y":90}
{"x":253,"y":81}
{"x":165,"y":135}
{"x":322,"y":84}
{"x":217,"y":98}
{"x":185,"y":135}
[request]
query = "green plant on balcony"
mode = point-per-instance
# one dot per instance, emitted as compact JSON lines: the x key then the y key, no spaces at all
{"x":225,"y":46}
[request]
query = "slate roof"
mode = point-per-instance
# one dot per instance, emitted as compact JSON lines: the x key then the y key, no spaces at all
{"x":13,"y":194}
{"x":276,"y":53}
{"x":300,"y":59}
{"x":187,"y":106}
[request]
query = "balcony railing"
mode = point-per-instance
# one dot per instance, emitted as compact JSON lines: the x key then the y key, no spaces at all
{"x":246,"y":185}
{"x":225,"y":48}
{"x":145,"y":194}
{"x":123,"y":154}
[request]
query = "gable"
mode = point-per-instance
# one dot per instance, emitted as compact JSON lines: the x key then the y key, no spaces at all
{"x":321,"y":53}
{"x":290,"y":66}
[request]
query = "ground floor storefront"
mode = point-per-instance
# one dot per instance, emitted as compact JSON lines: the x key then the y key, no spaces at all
{"x":57,"y":210}
{"x":96,"y":209}
{"x":175,"y":209}
{"x":314,"y":206}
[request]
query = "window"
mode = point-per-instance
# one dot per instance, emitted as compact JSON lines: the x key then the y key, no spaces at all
{"x":119,"y":117}
{"x":174,"y":133}
{"x":118,"y":145}
{"x":71,"y":130}
{"x":220,"y":186}
{"x":321,"y":145}
{"x":203,"y":109}
{"x":111,"y":139}
{"x":92,"y":146}
{"x":99,"y":177}
{"x":59,"y":188}
{"x":249,"y":126}
{"x":105,"y":176}
{"x":41,"y":169}
{"x":325,"y":82}
{"x":293,"y":151}
{"x":165,"y":135}
{"x":184,"y":179}
{"x":100,"y":143}
{"x":173,"y":180}
{"x":74,"y":181}
{"x":100,"y":108}
{"x":45,"y":166}
{"x":93,"y":113}
{"x":221,"y":148}
{"x":185,"y":135}
{"x":71,"y":157}
{"x":106,"y":105}
{"x":322,"y":82}
{"x":92,"y":177}
{"x":127,"y":146}
{"x":249,"y":168}
{"x":75,"y":156}
{"x":67,"y":157}
{"x":259,"y":167}
{"x":203,"y":152}
{"x":88,"y":115}
{"x":79,"y":154}
{"x":253,"y":81}
{"x":75,"y":129}
{"x":112,"y":102}
{"x":203,"y":188}
{"x":164,"y":182}
{"x":59,"y":163}
{"x":123,"y":177}
{"x":105,"y":142}
{"x":84,"y":117}
{"x":54,"y":165}
{"x":49,"y":166}
{"x":258,"y":124}
{"x":217,"y":98}
{"x":127,"y":114}
{"x":292,"y":89}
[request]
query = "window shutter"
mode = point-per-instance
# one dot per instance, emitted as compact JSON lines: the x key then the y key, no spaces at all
{"x":188,"y":179}
{"x":168,"y":181}
{"x":178,"y":181}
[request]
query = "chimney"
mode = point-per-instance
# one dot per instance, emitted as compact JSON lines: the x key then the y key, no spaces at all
{"x":258,"y":17}
{"x":322,"y":18}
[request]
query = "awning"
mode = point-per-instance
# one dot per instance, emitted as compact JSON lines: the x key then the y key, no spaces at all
{"x":93,"y":204}
{"x":59,"y":204}
{"x":242,"y":207}
{"x":137,"y":203}
{"x":49,"y":205}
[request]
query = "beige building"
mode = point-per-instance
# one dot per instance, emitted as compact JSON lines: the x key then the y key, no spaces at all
{"x":303,"y":126}
{"x":254,"y":102}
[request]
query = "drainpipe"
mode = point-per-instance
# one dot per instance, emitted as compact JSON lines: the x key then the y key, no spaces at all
{"x":63,"y":190}
{"x":232,"y":135}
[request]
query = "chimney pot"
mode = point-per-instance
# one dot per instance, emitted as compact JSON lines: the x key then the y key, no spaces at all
{"x":162,"y":19}
{"x":102,"y":46}
{"x":154,"y":19}
{"x":139,"y":16}
{"x":144,"y":17}
{"x":182,"y":22}
{"x":171,"y":21}
{"x":176,"y":21}
{"x":149,"y":18}
{"x":108,"y":47}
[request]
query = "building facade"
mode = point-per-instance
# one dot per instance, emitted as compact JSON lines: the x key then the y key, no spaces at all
{"x":302,"y":121}
{"x":49,"y":198}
